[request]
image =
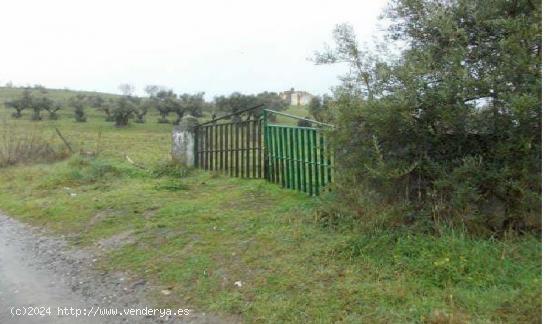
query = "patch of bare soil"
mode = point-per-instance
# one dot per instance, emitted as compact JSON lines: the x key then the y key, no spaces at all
{"x":116,"y":241}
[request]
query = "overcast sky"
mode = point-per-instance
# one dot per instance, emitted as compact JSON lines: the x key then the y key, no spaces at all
{"x":189,"y":46}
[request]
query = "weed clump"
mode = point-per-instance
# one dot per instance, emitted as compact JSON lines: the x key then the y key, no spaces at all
{"x":26,"y":148}
{"x":171,"y":185}
{"x":86,"y":169}
{"x":170,"y":169}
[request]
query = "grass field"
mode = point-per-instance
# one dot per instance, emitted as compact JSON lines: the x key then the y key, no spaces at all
{"x":196,"y":234}
{"x":299,"y":111}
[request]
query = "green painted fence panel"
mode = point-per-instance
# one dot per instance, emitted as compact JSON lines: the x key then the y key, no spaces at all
{"x":296,"y":158}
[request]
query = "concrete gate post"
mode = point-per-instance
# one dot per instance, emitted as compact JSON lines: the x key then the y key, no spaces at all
{"x":183,"y":141}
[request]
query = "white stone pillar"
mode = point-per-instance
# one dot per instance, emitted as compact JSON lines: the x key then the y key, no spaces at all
{"x":183,"y":141}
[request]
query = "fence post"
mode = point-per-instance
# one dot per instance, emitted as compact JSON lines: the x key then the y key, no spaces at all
{"x":183,"y":141}
{"x":267,"y":171}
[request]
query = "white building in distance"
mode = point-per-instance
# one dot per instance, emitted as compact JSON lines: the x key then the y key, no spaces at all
{"x":296,"y":98}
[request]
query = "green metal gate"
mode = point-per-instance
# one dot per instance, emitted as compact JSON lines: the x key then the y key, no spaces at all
{"x":297,"y":157}
{"x":234,"y":148}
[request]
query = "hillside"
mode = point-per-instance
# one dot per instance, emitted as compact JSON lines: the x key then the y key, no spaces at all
{"x":7,"y":93}
{"x":63,"y":95}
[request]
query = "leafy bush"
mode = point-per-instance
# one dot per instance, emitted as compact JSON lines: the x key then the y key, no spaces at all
{"x":450,"y":132}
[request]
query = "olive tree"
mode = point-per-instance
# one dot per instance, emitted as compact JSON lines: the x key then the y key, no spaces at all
{"x":271,"y":101}
{"x":319,"y":108}
{"x":234,"y":102}
{"x":39,"y":104}
{"x":17,"y":105}
{"x":237,"y":101}
{"x":21,"y":103}
{"x":141,"y":110}
{"x":105,"y":105}
{"x":124,"y":109}
{"x":190,"y":104}
{"x":165,"y":101}
{"x":314,"y":107}
{"x":78,"y":103}
{"x":107,"y":108}
{"x":52,"y":108}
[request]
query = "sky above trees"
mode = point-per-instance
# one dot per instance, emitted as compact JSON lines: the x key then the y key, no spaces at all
{"x":213,"y":46}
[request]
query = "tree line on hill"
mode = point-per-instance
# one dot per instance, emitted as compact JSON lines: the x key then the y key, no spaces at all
{"x":122,"y":109}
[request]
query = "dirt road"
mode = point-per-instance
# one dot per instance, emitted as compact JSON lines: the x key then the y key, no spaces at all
{"x":37,"y":270}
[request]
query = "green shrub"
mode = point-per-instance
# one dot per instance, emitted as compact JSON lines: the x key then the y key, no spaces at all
{"x":451,"y":131}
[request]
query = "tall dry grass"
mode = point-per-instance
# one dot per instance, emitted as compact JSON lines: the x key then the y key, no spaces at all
{"x":20,"y":146}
